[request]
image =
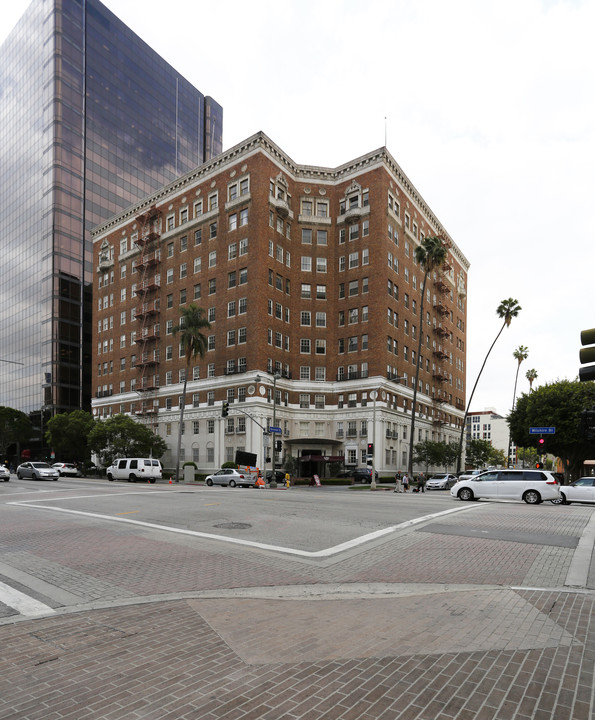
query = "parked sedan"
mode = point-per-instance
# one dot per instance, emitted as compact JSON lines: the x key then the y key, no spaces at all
{"x":36,"y":471}
{"x":4,"y":473}
{"x":441,"y":482}
{"x":231,"y":477}
{"x":363,"y":474}
{"x":67,"y":469}
{"x":580,"y":491}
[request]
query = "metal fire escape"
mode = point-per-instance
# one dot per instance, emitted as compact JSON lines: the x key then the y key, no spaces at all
{"x":147,"y":314}
{"x":442,"y":332}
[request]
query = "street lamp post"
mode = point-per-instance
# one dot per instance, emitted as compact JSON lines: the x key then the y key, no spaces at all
{"x":374,"y":395}
{"x":276,"y":376}
{"x":273,"y":482}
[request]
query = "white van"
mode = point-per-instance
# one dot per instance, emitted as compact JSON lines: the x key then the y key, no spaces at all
{"x":532,"y":486}
{"x":133,"y":469}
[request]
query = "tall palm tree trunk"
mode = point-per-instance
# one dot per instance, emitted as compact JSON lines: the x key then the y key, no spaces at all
{"x":418,"y":360}
{"x":471,"y":397}
{"x":179,"y":450}
{"x":516,"y":378}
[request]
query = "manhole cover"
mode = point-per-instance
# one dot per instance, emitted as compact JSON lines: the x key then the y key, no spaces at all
{"x":234,"y":526}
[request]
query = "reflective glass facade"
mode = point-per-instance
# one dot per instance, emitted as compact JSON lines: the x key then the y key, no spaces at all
{"x":92,"y":119}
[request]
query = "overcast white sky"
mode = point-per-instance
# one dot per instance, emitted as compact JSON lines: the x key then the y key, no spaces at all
{"x":490,"y":111}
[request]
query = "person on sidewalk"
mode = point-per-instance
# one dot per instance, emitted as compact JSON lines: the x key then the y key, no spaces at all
{"x":405,"y":482}
{"x":421,"y":483}
{"x":398,"y":483}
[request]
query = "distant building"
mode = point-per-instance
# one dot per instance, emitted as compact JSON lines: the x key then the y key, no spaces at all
{"x":489,"y":425}
{"x":92,"y":120}
{"x":308,"y":278}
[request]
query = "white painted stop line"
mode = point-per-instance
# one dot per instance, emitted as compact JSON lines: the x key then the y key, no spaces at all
{"x":24,"y":604}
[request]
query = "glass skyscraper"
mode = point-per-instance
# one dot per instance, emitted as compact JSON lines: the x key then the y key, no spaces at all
{"x":91,"y":119}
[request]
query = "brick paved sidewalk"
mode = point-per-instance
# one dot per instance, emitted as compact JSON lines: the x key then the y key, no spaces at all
{"x":490,"y":653}
{"x":455,"y":634}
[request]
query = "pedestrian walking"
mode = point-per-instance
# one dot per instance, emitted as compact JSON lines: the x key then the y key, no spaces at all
{"x":398,"y":483}
{"x":421,"y":483}
{"x":405,"y":482}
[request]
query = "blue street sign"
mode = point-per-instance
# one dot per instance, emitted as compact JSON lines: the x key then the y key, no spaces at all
{"x":542,"y":430}
{"x":274,"y":429}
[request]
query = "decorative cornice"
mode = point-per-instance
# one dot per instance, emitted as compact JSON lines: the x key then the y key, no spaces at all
{"x":310,"y":173}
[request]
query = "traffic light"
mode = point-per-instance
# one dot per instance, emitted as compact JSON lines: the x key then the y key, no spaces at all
{"x":370,"y":448}
{"x":279,"y":445}
{"x":541,"y":446}
{"x":225,"y":409}
{"x":539,"y":466}
{"x":587,"y":355}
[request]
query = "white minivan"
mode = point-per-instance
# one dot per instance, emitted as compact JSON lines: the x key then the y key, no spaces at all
{"x":133,"y":469}
{"x":532,"y":486}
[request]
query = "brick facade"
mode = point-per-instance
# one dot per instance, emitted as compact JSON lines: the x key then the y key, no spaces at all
{"x":304,"y":272}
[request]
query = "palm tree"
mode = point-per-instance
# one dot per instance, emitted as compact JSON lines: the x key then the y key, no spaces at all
{"x":506,"y":310}
{"x":430,"y":255}
{"x":192,"y":343}
{"x":520,"y":354}
{"x":531,"y":376}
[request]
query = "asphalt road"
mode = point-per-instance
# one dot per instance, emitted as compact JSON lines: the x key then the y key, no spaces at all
{"x":123,"y":601}
{"x":299,"y":519}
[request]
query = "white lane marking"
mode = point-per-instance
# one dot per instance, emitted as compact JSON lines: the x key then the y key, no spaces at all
{"x":23,"y":603}
{"x":328,"y":552}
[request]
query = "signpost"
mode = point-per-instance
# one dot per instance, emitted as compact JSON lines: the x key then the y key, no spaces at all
{"x":273,"y":429}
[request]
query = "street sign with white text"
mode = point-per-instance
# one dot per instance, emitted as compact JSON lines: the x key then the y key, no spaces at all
{"x":273,"y":429}
{"x":542,"y":430}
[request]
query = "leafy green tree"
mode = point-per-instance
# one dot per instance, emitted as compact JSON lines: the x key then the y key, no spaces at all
{"x":193,"y":343}
{"x":428,"y":452}
{"x":67,"y":435}
{"x":558,"y":405}
{"x":15,"y":428}
{"x":526,"y":456}
{"x":451,"y":454}
{"x":121,"y":436}
{"x":498,"y":458}
{"x":436,"y":453}
{"x":507,"y":310}
{"x":478,"y":452}
{"x":430,"y":254}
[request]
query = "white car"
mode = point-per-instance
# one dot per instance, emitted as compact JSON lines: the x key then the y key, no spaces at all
{"x":67,"y":469}
{"x":441,"y":482}
{"x":471,"y":473}
{"x":37,"y":471}
{"x":4,"y":473}
{"x":231,"y":477}
{"x":532,"y":486}
{"x":580,"y":491}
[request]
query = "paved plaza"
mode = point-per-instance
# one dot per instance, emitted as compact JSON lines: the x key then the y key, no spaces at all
{"x":480,"y":614}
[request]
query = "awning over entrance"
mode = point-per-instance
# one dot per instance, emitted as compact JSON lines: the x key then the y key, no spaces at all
{"x":321,"y":458}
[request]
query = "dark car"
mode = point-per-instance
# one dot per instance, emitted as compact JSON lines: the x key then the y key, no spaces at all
{"x":363,"y":474}
{"x":279,"y":475}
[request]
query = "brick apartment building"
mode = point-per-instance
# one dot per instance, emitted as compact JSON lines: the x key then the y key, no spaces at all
{"x":307,"y":276}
